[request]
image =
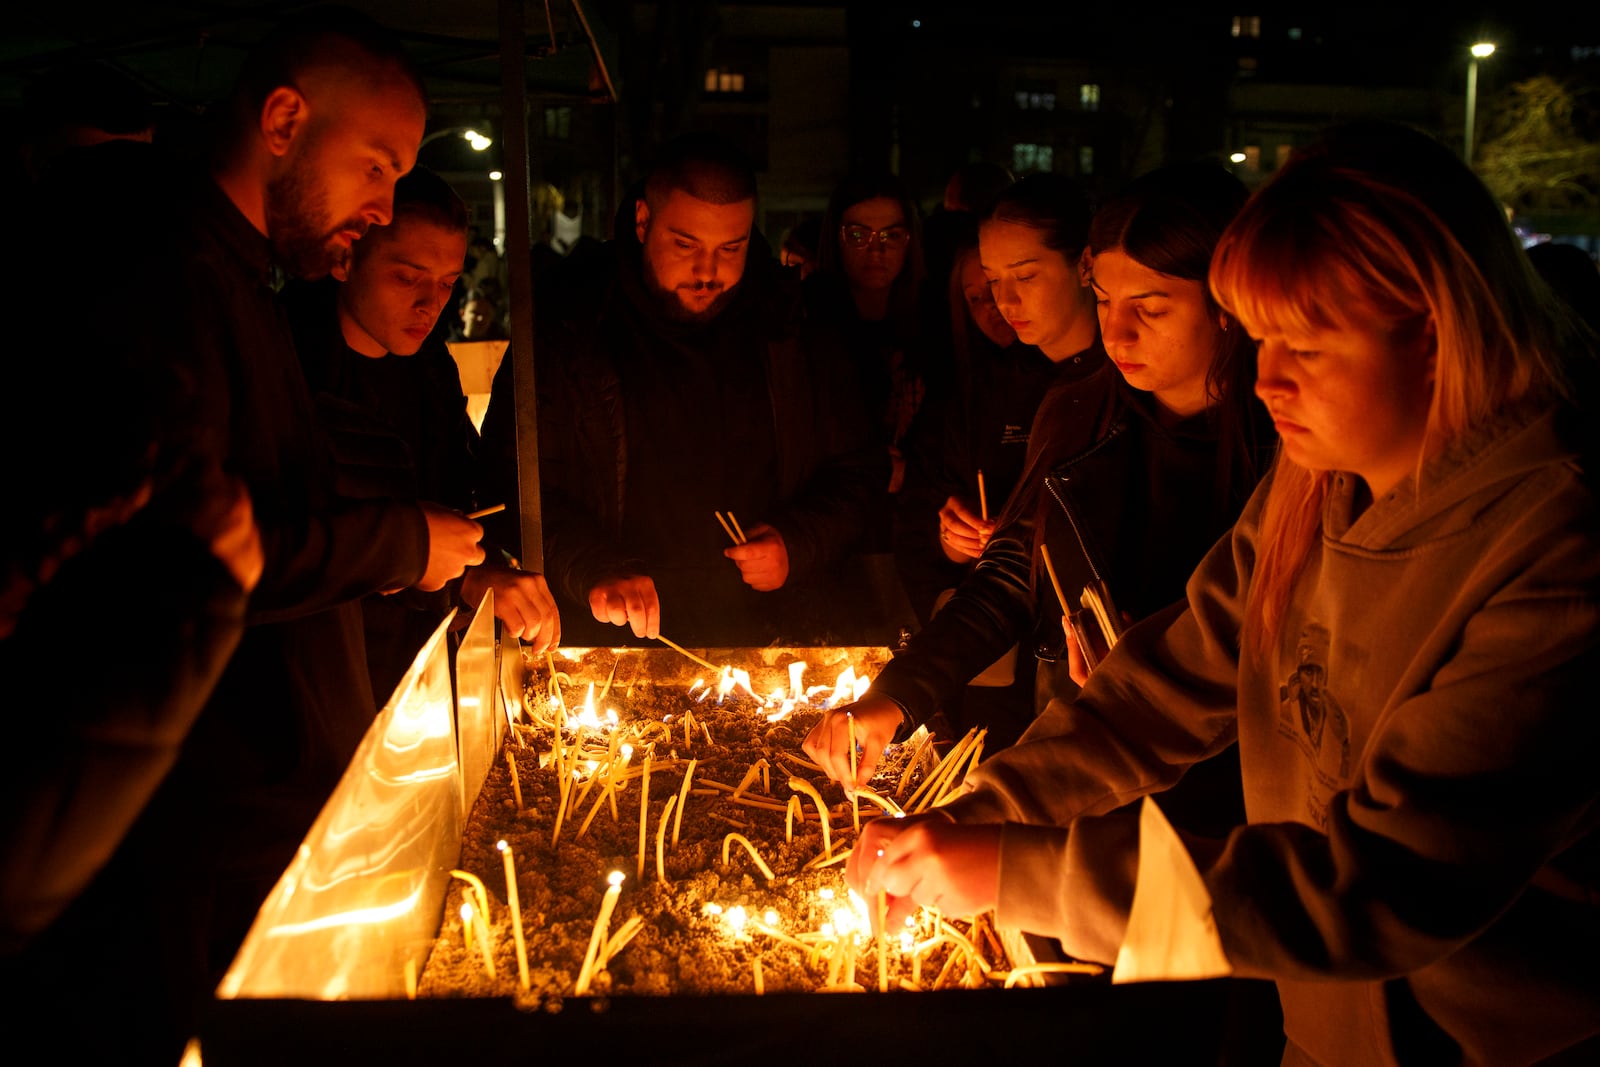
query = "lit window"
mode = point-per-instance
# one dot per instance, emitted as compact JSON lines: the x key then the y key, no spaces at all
{"x":1295,"y":33}
{"x":1027,"y":158}
{"x":1089,"y":97}
{"x":720,"y":80}
{"x":1086,"y":159}
{"x":1252,"y":156}
{"x":1022,"y":101}
{"x":1247,"y":25}
{"x":1282,"y":155}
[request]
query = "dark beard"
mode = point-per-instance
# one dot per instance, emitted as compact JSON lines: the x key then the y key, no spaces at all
{"x":296,"y":205}
{"x":671,"y":308}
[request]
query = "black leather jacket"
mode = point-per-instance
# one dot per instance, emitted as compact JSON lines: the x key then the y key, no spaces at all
{"x":1117,"y":497}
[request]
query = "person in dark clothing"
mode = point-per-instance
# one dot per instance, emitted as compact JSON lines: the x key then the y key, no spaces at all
{"x":964,"y":456}
{"x":90,"y":508}
{"x":969,"y":196}
{"x":1032,"y":254}
{"x":673,"y":388}
{"x":479,"y":318}
{"x":865,"y":296}
{"x":328,"y":113}
{"x":1132,"y":473}
{"x":976,"y":424}
{"x":389,"y":395}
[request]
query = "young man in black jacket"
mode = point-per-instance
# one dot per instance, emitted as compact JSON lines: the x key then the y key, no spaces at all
{"x":389,"y":395}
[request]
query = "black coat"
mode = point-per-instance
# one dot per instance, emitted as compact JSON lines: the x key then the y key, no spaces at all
{"x":294,"y":701}
{"x":397,"y":426}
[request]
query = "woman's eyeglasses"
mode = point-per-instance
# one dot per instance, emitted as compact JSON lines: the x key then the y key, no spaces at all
{"x":896,"y":237}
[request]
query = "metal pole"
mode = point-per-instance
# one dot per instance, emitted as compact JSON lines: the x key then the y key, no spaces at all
{"x":514,"y":87}
{"x":1472,"y":107}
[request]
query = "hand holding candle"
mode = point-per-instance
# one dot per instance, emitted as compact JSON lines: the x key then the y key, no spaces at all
{"x":870,"y":722}
{"x":927,"y":860}
{"x":963,"y":533}
{"x":762,"y":559}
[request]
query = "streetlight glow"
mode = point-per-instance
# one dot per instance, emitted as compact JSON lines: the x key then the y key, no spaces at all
{"x":480,"y":142}
{"x":1481,"y":50}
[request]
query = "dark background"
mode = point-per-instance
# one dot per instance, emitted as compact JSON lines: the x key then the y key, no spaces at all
{"x":815,"y":89}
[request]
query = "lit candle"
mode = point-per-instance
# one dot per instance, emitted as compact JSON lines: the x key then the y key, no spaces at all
{"x":513,"y":903}
{"x":597,"y":938}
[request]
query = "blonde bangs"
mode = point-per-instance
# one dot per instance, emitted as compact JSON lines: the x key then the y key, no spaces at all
{"x":1298,"y":273}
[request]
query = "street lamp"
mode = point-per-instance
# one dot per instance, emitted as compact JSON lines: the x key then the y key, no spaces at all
{"x":478,"y":141}
{"x":1481,"y":50}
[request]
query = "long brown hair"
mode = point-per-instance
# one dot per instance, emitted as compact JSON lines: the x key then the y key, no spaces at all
{"x":1169,"y":220}
{"x":1377,"y":223}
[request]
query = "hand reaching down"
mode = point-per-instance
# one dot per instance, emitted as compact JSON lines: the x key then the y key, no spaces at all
{"x":522,"y":603}
{"x":628,"y":600}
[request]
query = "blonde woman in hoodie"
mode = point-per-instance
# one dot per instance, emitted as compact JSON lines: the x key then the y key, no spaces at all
{"x":1400,"y":633}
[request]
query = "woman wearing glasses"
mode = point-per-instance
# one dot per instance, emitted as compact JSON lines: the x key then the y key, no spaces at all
{"x":865,"y":292}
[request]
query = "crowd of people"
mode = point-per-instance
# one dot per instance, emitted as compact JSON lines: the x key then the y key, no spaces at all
{"x":1256,"y":530}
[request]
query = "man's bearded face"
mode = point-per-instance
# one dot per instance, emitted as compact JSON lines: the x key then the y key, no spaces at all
{"x":694,"y":253}
{"x":307,"y":241}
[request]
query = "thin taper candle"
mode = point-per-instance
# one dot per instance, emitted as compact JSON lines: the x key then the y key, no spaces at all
{"x":515,"y":904}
